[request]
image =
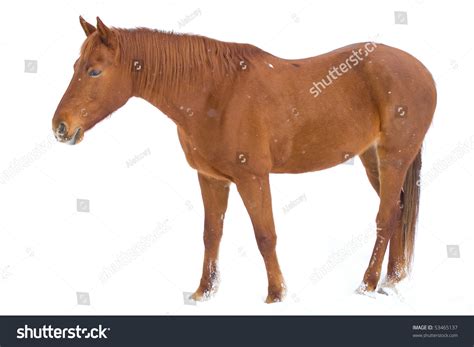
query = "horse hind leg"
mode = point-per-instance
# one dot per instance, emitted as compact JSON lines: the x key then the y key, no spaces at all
{"x":392,"y":166}
{"x":397,"y":261}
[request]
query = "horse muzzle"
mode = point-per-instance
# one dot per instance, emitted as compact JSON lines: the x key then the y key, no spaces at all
{"x":61,"y":134}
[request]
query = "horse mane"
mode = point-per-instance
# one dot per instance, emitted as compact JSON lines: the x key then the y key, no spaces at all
{"x":174,"y":61}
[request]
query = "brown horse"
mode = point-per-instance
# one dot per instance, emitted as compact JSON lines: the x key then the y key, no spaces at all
{"x":242,"y":114}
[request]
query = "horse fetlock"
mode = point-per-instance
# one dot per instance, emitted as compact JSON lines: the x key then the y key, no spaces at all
{"x":276,"y":293}
{"x":207,"y":289}
{"x":371,"y":279}
{"x":396,"y":272}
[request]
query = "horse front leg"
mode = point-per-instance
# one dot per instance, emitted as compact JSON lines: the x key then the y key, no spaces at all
{"x":215,"y":195}
{"x":255,"y":193}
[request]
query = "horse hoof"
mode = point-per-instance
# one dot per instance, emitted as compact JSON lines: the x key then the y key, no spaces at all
{"x":197,"y":296}
{"x":388,"y":287}
{"x":272,"y":298}
{"x":201,"y":295}
{"x":204,"y":294}
{"x":364,"y":289}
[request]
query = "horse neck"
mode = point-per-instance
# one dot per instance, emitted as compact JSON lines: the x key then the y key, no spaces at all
{"x":172,"y":71}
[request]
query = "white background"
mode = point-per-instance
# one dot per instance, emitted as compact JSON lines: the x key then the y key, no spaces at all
{"x":49,"y":251}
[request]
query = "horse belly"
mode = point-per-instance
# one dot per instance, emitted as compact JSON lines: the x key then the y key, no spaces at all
{"x":316,"y":147}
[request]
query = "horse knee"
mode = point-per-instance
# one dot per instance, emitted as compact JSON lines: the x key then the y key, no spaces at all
{"x":266,"y":242}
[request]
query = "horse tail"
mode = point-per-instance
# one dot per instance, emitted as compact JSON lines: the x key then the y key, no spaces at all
{"x":410,"y":202}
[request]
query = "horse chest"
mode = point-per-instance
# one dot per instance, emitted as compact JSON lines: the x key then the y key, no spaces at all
{"x":195,"y":158}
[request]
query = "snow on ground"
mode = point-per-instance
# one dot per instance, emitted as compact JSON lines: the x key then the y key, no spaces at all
{"x":139,"y":248}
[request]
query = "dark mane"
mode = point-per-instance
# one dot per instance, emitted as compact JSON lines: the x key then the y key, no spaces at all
{"x":175,"y":60}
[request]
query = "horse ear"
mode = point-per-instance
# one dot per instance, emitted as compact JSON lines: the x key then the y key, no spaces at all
{"x":88,"y":28}
{"x":106,"y":35}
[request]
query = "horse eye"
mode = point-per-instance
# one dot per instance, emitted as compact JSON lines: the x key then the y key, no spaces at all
{"x":95,"y":73}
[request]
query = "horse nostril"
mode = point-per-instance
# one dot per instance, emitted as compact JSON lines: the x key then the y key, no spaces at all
{"x":61,"y":129}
